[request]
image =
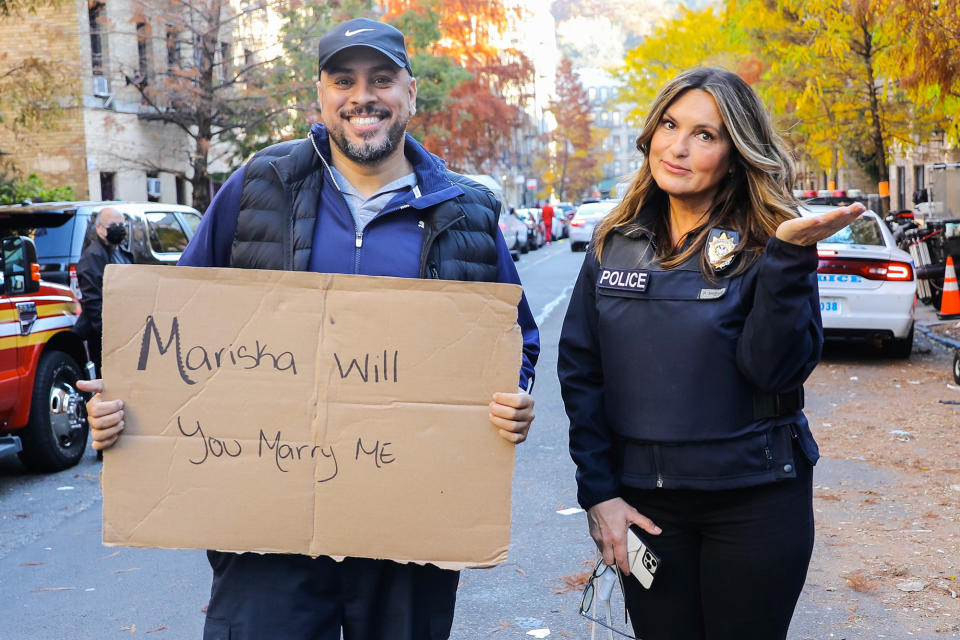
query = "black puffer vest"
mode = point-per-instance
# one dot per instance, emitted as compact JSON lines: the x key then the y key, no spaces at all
{"x":282,"y":193}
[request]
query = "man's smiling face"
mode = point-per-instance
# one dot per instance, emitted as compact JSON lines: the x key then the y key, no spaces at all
{"x":365,"y":102}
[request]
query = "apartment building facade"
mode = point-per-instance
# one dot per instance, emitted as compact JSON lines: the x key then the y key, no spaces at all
{"x":107,"y":143}
{"x":610,"y":115}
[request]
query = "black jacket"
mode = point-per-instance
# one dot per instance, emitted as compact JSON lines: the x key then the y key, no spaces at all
{"x":670,"y":380}
{"x":93,"y":260}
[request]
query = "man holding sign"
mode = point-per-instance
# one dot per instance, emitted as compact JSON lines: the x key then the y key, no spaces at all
{"x":357,"y":196}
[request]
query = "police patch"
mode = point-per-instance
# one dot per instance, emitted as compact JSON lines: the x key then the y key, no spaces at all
{"x":624,"y":279}
{"x":720,"y":248}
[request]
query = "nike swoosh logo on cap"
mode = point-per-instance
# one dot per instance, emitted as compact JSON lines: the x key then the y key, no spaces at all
{"x":353,"y":33}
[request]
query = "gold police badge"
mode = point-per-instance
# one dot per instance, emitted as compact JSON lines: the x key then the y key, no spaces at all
{"x":720,"y":248}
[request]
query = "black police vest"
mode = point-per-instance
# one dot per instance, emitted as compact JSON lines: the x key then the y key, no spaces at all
{"x":673,"y":334}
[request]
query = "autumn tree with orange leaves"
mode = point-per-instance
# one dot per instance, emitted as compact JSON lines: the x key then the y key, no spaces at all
{"x":571,"y":161}
{"x":929,"y":55}
{"x":485,"y":107}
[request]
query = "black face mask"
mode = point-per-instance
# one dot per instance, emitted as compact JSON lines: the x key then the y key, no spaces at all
{"x":116,"y":233}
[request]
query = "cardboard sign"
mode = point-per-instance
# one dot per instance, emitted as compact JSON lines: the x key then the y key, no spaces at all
{"x":309,"y":413}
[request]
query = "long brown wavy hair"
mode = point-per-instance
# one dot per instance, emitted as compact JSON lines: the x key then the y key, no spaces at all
{"x":753,"y":199}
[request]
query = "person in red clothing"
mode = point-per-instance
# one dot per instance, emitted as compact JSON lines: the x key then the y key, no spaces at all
{"x":547,"y":213}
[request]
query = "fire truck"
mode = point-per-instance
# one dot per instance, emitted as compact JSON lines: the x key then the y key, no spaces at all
{"x":42,"y":413}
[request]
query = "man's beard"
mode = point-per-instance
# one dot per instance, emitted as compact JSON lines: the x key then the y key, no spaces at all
{"x":368,"y":153}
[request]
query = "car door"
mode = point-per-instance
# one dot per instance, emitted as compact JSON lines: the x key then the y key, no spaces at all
{"x":9,"y":378}
{"x":190,"y":220}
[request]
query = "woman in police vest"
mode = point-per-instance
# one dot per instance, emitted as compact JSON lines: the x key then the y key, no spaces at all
{"x":692,"y":327}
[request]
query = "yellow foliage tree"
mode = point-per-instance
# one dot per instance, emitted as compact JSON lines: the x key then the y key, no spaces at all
{"x":690,"y":39}
{"x":832,"y":71}
{"x":928,"y":54}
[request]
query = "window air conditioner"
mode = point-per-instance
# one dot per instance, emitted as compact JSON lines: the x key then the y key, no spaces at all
{"x":154,"y":187}
{"x":101,"y":86}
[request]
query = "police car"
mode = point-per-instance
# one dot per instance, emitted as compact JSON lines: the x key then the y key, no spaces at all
{"x":868,"y":287}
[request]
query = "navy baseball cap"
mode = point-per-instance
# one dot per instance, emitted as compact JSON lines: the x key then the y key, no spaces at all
{"x":363,"y":32}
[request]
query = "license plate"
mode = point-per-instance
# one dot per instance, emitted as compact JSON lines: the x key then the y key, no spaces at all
{"x":830,"y":306}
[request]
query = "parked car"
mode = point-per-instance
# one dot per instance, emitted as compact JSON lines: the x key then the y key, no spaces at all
{"x":867,"y":285}
{"x":156,"y":234}
{"x":514,"y":233}
{"x":536,"y":237}
{"x":42,"y":414}
{"x":584,"y":220}
{"x":564,"y":211}
{"x":557,"y":225}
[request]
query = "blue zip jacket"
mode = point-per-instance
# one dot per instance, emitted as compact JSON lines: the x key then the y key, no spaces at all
{"x":389,"y":245}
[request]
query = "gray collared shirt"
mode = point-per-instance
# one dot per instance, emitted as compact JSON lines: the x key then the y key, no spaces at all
{"x":366,"y":209}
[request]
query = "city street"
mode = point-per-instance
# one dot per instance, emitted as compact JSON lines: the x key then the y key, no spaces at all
{"x":886,"y":562}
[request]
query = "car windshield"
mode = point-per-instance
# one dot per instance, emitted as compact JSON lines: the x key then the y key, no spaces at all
{"x":53,"y":241}
{"x":865,"y":230}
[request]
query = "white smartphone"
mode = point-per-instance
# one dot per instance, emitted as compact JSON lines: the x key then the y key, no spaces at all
{"x":644,"y":563}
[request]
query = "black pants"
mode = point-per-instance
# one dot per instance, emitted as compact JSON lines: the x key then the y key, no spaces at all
{"x":294,"y":597}
{"x":732,"y":562}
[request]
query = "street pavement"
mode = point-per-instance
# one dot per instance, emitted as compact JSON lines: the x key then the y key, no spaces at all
{"x":60,"y":582}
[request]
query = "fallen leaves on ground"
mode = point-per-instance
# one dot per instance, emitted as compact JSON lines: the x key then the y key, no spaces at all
{"x":502,"y":627}
{"x":572,"y":582}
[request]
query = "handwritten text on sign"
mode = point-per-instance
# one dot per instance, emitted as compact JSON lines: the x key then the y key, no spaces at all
{"x":332,"y":404}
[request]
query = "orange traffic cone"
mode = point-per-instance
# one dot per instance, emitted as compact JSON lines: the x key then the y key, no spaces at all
{"x":950,"y":302}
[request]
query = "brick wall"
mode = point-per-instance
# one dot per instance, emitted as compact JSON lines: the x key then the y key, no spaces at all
{"x":56,"y":150}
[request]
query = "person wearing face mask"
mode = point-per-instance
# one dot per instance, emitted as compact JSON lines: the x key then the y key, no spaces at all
{"x":102,"y":250}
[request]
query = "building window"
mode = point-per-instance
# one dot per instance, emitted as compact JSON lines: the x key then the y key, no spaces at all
{"x":97,"y":13}
{"x":106,"y":186}
{"x":616,"y":167}
{"x":616,"y":118}
{"x":181,"y":188}
{"x":604,"y":117}
{"x":592,"y":93}
{"x":173,"y":50}
{"x":197,"y":54}
{"x":226,"y":61}
{"x":143,"y":54}
{"x":616,"y":143}
{"x":918,"y":177}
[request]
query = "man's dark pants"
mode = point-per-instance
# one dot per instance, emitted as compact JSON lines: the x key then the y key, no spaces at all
{"x":296,"y":597}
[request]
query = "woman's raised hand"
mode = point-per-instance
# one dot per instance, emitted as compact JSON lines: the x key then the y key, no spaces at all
{"x":809,"y":230}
